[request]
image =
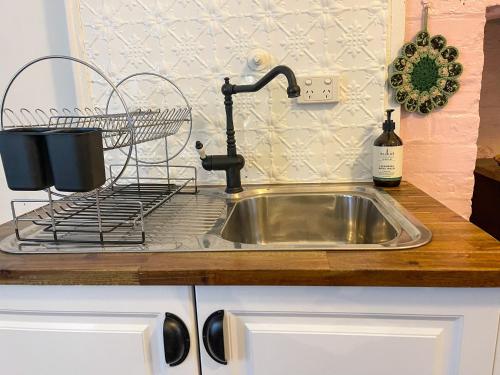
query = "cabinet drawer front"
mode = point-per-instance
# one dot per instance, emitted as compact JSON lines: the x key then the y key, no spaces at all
{"x":351,"y":331}
{"x":94,"y":330}
{"x":288,"y":343}
{"x":34,"y":343}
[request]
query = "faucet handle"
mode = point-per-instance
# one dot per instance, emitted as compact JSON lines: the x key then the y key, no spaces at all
{"x":201,"y":150}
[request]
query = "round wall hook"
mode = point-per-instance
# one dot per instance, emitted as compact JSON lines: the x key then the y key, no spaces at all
{"x":259,"y":60}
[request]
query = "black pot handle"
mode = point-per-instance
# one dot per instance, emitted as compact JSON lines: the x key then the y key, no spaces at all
{"x":213,"y":337}
{"x":176,"y":341}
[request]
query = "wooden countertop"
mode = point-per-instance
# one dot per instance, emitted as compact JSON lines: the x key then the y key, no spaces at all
{"x":460,"y":255}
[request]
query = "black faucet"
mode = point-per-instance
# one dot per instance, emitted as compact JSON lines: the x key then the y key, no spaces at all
{"x":232,"y":163}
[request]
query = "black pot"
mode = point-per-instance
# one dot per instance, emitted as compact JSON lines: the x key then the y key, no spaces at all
{"x":76,"y":158}
{"x":25,"y":158}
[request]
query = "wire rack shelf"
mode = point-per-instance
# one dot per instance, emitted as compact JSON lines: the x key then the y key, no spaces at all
{"x":146,"y":125}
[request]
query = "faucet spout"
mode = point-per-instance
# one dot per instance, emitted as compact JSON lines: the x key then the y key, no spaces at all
{"x":293,"y":89}
{"x":232,"y":163}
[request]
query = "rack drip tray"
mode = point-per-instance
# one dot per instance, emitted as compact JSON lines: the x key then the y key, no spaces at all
{"x":170,"y":222}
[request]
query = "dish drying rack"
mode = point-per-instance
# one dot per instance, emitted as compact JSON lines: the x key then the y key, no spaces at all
{"x":113,"y":213}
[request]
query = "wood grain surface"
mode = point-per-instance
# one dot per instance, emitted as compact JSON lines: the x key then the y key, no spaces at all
{"x":460,"y":255}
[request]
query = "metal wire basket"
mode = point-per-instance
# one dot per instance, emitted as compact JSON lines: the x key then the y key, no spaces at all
{"x":148,"y":125}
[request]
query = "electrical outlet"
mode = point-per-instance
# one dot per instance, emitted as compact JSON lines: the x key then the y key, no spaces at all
{"x":318,"y":89}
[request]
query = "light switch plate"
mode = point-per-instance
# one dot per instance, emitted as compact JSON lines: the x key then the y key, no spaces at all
{"x":318,"y":89}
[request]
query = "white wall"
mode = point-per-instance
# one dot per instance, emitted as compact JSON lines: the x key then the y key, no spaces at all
{"x":29,"y":29}
{"x":198,"y":43}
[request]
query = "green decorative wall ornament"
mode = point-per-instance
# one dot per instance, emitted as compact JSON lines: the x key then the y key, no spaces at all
{"x":425,"y":74}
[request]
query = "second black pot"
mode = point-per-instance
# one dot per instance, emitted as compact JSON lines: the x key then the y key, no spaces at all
{"x":76,"y":159}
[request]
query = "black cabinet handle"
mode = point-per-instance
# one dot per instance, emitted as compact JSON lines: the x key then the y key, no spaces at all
{"x":213,"y":337}
{"x":176,"y":340}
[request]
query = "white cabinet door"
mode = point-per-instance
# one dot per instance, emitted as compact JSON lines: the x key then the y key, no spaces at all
{"x":351,"y":331}
{"x":91,"y":330}
{"x":497,"y":358}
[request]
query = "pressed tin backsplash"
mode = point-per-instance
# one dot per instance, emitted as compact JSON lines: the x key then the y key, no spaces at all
{"x":196,"y":43}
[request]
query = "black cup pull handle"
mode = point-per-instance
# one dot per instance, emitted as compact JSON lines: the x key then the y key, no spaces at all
{"x":176,"y":341}
{"x":213,"y":337}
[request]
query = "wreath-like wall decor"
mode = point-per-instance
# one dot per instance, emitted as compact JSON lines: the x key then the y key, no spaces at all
{"x":426,"y":72}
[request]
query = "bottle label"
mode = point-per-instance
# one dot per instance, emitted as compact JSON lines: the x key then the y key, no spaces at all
{"x":387,"y":162}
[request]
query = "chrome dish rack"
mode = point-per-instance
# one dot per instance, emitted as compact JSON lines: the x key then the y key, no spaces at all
{"x":113,"y":213}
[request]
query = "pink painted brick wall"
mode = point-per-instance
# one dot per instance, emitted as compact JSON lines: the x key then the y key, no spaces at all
{"x":440,"y":149}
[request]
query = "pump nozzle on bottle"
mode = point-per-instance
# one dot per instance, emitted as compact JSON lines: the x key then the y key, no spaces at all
{"x":389,"y":124}
{"x":389,"y":113}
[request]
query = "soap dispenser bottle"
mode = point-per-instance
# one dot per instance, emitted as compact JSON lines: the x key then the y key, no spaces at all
{"x":387,"y":156}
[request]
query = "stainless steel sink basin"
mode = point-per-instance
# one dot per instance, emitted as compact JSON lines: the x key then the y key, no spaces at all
{"x":273,"y":217}
{"x":308,"y":219}
{"x":321,"y":216}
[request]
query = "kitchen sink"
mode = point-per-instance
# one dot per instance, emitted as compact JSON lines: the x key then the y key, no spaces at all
{"x":273,"y":217}
{"x":333,"y":216}
{"x":308,"y":219}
